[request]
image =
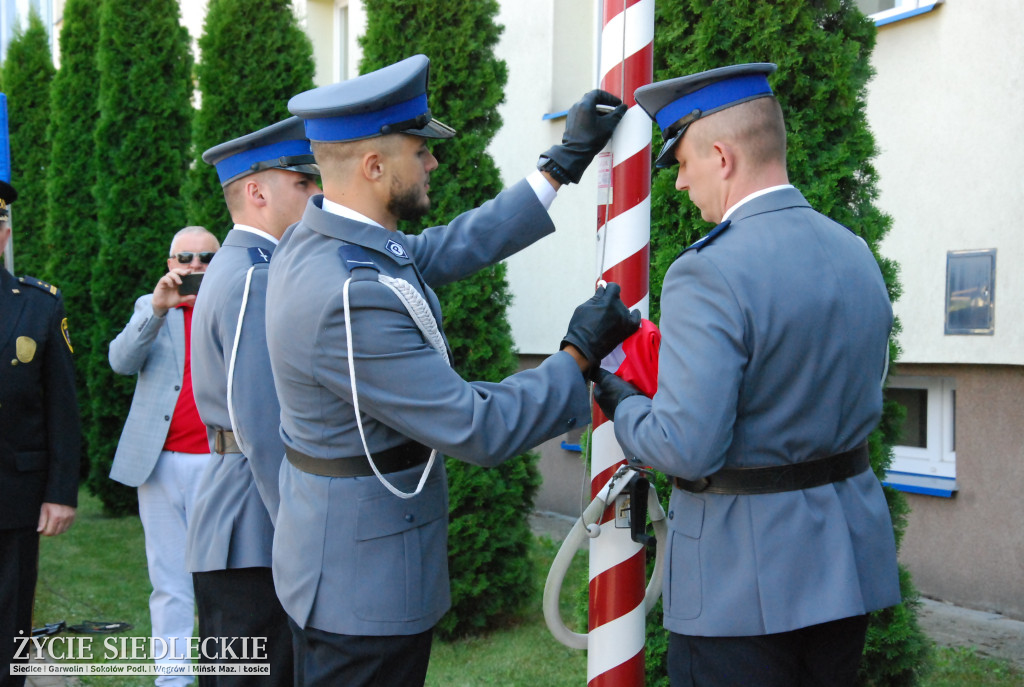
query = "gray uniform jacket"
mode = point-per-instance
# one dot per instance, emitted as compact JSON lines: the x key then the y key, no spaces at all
{"x":231,"y":526}
{"x":154,"y":348}
{"x":349,"y":556}
{"x":774,"y":337}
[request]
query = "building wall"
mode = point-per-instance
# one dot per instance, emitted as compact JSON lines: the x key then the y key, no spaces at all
{"x":969,"y":549}
{"x":550,"y":55}
{"x":945,"y":107}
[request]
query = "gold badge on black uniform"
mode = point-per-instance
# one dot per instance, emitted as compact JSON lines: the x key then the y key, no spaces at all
{"x":25,"y":347}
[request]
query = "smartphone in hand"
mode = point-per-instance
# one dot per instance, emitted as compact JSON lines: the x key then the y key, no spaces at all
{"x":190,"y":284}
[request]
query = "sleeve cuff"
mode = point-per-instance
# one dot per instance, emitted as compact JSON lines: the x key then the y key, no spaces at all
{"x":542,"y":188}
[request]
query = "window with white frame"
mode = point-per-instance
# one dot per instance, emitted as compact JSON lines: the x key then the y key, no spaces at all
{"x":924,"y":457}
{"x":885,"y":11}
{"x":341,"y":34}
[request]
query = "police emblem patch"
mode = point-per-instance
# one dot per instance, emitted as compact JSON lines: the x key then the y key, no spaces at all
{"x":396,"y":249}
{"x":66,"y":333}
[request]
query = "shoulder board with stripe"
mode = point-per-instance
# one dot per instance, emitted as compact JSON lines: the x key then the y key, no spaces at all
{"x":39,"y":284}
{"x":708,"y":238}
{"x":355,"y":257}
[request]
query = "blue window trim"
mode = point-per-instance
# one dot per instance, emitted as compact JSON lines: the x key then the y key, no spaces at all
{"x":906,"y":15}
{"x":555,"y":115}
{"x":928,"y":485}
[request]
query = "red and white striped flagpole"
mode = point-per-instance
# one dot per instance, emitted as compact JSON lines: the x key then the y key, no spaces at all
{"x":615,"y":643}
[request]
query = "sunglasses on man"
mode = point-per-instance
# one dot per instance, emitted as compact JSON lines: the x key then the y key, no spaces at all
{"x":185,"y":257}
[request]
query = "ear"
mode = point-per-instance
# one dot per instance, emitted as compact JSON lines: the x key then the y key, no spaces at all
{"x":726,"y":158}
{"x":254,"y":192}
{"x":372,"y":165}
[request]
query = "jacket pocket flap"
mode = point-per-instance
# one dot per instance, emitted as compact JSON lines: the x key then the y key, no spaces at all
{"x":386,"y":514}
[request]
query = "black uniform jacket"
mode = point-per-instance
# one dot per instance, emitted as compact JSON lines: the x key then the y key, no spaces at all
{"x":40,"y":433}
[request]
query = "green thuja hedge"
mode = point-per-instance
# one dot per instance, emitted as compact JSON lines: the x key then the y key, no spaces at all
{"x":254,"y":57}
{"x":488,"y":532}
{"x":71,"y":210}
{"x":142,"y":145}
{"x":27,"y":72}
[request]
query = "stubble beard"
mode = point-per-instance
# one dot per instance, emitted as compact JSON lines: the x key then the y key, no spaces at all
{"x":407,"y":203}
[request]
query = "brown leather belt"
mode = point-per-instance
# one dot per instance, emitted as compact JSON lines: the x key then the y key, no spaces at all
{"x":224,"y":442}
{"x":779,"y":478}
{"x":395,"y":459}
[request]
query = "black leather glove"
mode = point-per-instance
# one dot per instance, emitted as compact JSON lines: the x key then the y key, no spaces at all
{"x":587,"y":130}
{"x":600,"y":324}
{"x":609,"y":391}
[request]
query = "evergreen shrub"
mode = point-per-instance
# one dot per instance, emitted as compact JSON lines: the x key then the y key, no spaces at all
{"x":27,"y":72}
{"x":253,"y":58}
{"x":489,"y":535}
{"x":142,"y":146}
{"x":71,"y":210}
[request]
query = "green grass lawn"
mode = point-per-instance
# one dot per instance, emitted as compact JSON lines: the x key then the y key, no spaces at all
{"x":97,"y":571}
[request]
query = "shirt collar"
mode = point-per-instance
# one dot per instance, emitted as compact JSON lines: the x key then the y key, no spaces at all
{"x":752,"y":196}
{"x":348,"y":213}
{"x":258,"y":232}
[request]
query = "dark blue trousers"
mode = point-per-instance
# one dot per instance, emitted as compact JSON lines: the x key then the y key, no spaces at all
{"x":825,"y":655}
{"x":19,"y":567}
{"x":326,"y":659}
{"x":241,"y":602}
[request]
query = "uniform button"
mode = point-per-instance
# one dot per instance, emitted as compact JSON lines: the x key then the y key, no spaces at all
{"x":409,"y":517}
{"x":167,"y":418}
{"x":671,"y":514}
{"x":177,"y":388}
{"x":571,"y":422}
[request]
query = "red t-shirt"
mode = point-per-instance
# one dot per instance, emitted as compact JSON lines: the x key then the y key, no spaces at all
{"x":187,"y":433}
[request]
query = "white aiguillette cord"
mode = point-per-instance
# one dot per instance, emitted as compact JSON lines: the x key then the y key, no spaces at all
{"x":231,"y":365}
{"x":419,"y":310}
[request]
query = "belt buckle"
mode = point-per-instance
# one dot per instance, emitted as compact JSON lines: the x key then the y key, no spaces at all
{"x":218,"y":442}
{"x":701,"y":485}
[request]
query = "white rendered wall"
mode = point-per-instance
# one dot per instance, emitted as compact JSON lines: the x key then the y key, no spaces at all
{"x":548,"y":46}
{"x":946,"y":109}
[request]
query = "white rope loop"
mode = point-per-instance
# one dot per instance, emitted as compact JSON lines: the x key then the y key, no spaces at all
{"x":424,"y":319}
{"x":231,"y":364}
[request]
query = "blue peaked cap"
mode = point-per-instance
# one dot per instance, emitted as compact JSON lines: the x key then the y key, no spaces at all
{"x":387,"y":101}
{"x":279,"y":146}
{"x":676,"y":103}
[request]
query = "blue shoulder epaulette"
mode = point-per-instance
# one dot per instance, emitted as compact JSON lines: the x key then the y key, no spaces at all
{"x":39,"y":284}
{"x":355,"y":257}
{"x":706,"y":240}
{"x":259,"y":255}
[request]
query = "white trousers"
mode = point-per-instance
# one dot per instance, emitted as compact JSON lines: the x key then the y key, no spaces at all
{"x":165,"y":505}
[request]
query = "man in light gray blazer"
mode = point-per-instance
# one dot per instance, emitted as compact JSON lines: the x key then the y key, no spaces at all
{"x":363,"y":372}
{"x":267,"y":178}
{"x":775,"y":336}
{"x":163,"y":447}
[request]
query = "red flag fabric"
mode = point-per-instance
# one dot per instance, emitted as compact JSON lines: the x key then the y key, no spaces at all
{"x":636,"y":359}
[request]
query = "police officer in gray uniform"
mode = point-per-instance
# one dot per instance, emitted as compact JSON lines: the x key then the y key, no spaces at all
{"x":775,"y":330}
{"x":363,"y":374}
{"x":267,"y":178}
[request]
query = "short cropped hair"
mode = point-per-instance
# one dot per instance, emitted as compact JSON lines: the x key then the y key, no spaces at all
{"x":757,"y":126}
{"x":190,"y":230}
